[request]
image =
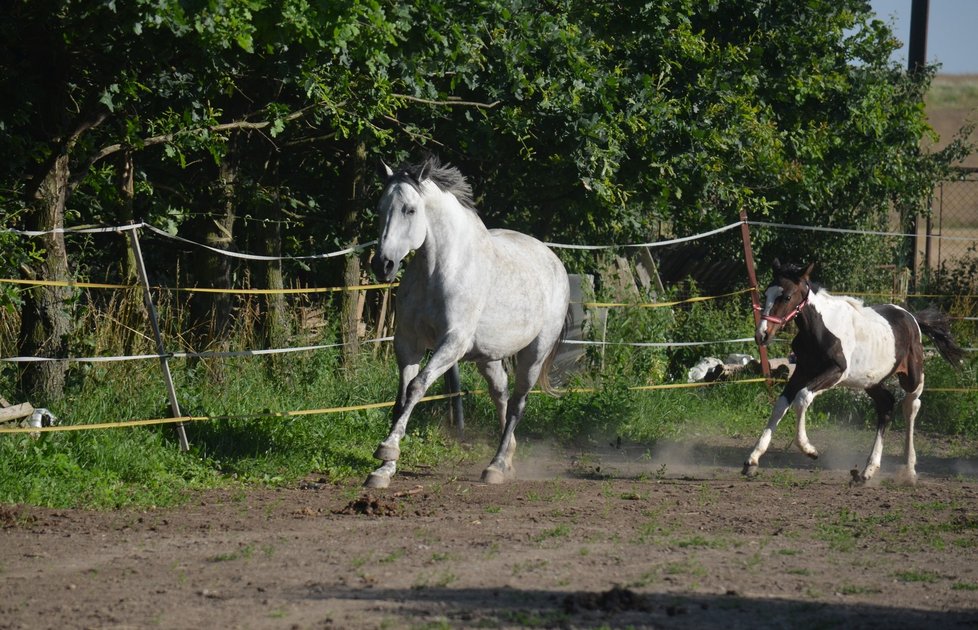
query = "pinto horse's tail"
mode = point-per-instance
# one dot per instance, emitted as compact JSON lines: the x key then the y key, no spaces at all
{"x":544,"y":381}
{"x":936,"y":325}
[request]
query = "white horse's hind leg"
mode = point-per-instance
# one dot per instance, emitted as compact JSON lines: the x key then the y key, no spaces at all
{"x":501,"y":465}
{"x":498,"y":382}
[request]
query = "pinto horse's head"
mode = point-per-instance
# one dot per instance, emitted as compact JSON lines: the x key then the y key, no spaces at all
{"x":783,"y":299}
{"x":403,"y":225}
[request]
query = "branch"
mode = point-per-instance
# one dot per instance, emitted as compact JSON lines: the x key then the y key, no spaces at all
{"x":451,"y":102}
{"x":231,"y":126}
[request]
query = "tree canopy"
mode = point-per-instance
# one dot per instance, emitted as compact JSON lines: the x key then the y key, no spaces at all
{"x":255,"y":124}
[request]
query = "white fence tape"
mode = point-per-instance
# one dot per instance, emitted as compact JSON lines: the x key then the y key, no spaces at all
{"x":360,"y":247}
{"x":791,"y":226}
{"x":224,"y":252}
{"x":77,"y":230}
{"x":652,"y":244}
{"x":189,"y":355}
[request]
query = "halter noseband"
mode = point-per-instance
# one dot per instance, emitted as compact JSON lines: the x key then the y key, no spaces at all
{"x":781,"y":321}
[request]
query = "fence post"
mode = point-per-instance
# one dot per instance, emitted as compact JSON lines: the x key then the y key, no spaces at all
{"x":154,"y":322}
{"x":755,"y":302}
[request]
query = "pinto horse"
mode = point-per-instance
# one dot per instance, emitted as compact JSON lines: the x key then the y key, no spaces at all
{"x":469,"y":294}
{"x":841,"y":342}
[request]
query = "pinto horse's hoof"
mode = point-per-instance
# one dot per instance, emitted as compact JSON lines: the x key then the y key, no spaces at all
{"x":387,"y":453}
{"x":375,"y":480}
{"x":493,"y":476}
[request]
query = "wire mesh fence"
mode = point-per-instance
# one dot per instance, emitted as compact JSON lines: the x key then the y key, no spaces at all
{"x":949,"y":236}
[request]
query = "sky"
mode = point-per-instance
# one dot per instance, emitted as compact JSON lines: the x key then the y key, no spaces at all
{"x":952,"y":32}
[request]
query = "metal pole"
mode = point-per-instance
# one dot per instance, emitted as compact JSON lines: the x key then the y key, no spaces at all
{"x":916,"y":61}
{"x":154,"y":322}
{"x":752,"y":283}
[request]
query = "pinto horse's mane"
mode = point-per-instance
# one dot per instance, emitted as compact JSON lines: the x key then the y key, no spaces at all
{"x":447,"y":177}
{"x":795,"y":272}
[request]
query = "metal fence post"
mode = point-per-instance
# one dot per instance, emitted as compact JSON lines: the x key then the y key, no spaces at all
{"x":154,"y":322}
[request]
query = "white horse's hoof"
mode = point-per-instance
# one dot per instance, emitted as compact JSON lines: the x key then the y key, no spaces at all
{"x":387,"y":453}
{"x":377,"y":481}
{"x":493,"y":476}
{"x":812,"y":453}
{"x":749,"y":470}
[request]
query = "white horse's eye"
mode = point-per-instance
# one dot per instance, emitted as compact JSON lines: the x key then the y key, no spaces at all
{"x":409,"y":211}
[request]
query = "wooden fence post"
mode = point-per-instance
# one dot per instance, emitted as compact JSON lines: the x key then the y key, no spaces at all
{"x":755,"y":301}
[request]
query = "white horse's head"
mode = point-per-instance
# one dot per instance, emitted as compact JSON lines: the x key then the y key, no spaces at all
{"x":403,"y":225}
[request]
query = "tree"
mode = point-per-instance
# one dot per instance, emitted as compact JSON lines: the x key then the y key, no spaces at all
{"x":578,"y":121}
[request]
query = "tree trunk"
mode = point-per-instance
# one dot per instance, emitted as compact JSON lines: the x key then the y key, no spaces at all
{"x":211,"y":312}
{"x":127,"y":192}
{"x":45,"y":319}
{"x":352,"y":310}
{"x":276,"y":315}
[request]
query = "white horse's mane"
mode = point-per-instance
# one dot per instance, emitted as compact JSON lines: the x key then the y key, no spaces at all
{"x":447,"y":177}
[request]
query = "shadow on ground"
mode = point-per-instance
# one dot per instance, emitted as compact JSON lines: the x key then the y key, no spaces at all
{"x":622,"y":607}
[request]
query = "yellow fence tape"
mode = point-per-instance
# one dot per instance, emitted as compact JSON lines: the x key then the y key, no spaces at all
{"x":381,"y":405}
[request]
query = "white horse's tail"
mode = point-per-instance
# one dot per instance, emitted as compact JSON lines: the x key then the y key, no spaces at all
{"x":544,"y":381}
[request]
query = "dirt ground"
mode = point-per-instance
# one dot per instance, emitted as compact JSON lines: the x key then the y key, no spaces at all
{"x":623,"y":536}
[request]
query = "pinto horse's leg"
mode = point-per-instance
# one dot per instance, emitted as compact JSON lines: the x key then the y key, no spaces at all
{"x":798,"y":394}
{"x":883,"y":400}
{"x":800,"y":406}
{"x":911,"y":405}
{"x":413,"y":385}
{"x":781,"y":406}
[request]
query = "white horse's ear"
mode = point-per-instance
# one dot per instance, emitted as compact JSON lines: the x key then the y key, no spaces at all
{"x":808,"y":270}
{"x":425,"y":171}
{"x":385,"y":171}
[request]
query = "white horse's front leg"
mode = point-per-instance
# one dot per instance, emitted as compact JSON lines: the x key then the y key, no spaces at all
{"x":780,"y":408}
{"x":381,"y":478}
{"x":390,"y":449}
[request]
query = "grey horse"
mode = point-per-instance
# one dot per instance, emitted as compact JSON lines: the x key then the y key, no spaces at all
{"x":468,"y":294}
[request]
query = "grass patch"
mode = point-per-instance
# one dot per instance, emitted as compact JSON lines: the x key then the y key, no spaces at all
{"x":554,"y":532}
{"x":852,"y":589}
{"x":926,"y":577}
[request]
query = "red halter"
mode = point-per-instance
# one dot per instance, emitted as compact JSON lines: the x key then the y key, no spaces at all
{"x":781,"y":321}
